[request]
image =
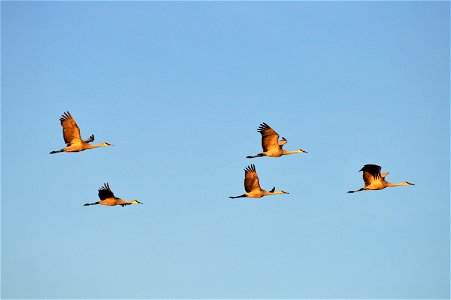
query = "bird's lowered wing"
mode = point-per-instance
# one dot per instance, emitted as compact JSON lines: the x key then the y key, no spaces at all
{"x":270,"y":138}
{"x":251,"y":179}
{"x":105,"y":192}
{"x":71,"y":132}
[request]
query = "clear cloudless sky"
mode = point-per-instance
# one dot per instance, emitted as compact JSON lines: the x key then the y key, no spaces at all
{"x":180,"y":88}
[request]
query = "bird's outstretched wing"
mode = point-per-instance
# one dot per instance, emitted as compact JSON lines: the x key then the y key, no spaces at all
{"x":251,"y":179}
{"x":371,"y":173}
{"x":71,"y":132}
{"x":270,"y":138}
{"x":105,"y":192}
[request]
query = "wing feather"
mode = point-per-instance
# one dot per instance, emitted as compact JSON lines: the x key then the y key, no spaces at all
{"x":251,"y":181}
{"x":91,"y":139}
{"x":71,"y":132}
{"x":371,"y":173}
{"x":270,"y":138}
{"x":105,"y":192}
{"x":282,"y":142}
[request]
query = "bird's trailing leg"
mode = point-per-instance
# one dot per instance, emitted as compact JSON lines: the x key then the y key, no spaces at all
{"x":359,"y":190}
{"x":88,"y":204}
{"x":258,"y":155}
{"x":241,"y":196}
{"x":57,"y":151}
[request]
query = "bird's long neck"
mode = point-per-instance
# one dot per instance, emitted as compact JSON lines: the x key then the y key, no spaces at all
{"x":124,"y":202}
{"x":287,"y":152}
{"x":389,"y":184}
{"x":91,"y":146}
{"x":274,"y":193}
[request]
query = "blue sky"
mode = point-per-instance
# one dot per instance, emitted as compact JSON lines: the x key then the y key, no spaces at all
{"x":180,"y":88}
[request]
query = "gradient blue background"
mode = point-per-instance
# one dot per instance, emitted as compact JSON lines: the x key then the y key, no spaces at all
{"x":180,"y":88}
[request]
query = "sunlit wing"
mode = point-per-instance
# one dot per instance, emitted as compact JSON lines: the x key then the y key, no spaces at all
{"x":105,"y":192}
{"x":71,"y":132}
{"x":371,"y":173}
{"x":270,"y":138}
{"x":251,"y":182}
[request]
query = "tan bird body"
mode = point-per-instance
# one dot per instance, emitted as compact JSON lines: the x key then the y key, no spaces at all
{"x":271,"y":145}
{"x":72,"y":136}
{"x":374,"y":180}
{"x":107,"y":198}
{"x":252,"y":185}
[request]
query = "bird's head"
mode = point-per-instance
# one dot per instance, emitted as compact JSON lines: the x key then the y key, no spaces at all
{"x":301,"y":151}
{"x":281,"y":192}
{"x":104,"y":144}
{"x":135,"y":202}
{"x":406,"y":183}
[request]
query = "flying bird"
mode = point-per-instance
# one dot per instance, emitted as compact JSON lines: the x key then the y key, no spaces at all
{"x":252,"y":185}
{"x":72,"y":136}
{"x":107,"y":198}
{"x":271,"y":145}
{"x":374,"y":180}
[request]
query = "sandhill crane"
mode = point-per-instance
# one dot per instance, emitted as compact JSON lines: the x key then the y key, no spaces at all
{"x":72,"y":136}
{"x":107,"y":198}
{"x":252,"y":185}
{"x":374,"y":180}
{"x":271,"y":145}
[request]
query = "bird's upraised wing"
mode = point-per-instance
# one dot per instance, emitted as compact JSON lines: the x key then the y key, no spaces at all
{"x":270,"y":138}
{"x":371,"y":173}
{"x":71,"y":132}
{"x":105,"y":192}
{"x":251,"y":182}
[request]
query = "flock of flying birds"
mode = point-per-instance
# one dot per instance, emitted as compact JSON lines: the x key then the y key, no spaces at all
{"x":272,"y":147}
